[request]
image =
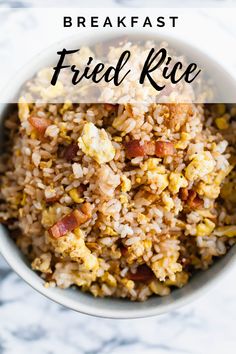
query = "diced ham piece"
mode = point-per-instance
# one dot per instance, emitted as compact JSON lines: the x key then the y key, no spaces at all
{"x":164,"y":148}
{"x":110,"y":107}
{"x":71,"y":151}
{"x":86,"y":208}
{"x":149,"y":148}
{"x":52,"y":199}
{"x":183,"y":193}
{"x":135,"y":148}
{"x":194,"y":201}
{"x":40,"y":124}
{"x":191,"y":197}
{"x":123,"y":250}
{"x":71,"y":221}
{"x":143,"y":273}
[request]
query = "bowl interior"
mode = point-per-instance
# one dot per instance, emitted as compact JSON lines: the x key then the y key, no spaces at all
{"x":83,"y":302}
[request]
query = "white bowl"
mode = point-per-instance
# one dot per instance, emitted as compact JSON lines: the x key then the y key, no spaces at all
{"x":74,"y":298}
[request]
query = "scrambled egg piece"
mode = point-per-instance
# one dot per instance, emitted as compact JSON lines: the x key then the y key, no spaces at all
{"x":205,"y":228}
{"x":24,"y":200}
{"x":211,"y":191}
{"x":222,"y":123}
{"x":117,"y":139}
{"x":177,"y":181}
{"x":152,"y":164}
{"x":183,"y":142}
{"x":109,"y":231}
{"x":53,"y":91}
{"x":129,"y":284}
{"x":43,"y":263}
{"x":63,"y":133}
{"x":160,"y":180}
{"x":229,"y":231}
{"x":95,"y":143}
{"x":201,"y":165}
{"x":67,"y":105}
{"x":109,"y":279}
{"x":222,"y":174}
{"x":45,"y":164}
{"x":205,"y":213}
{"x":180,"y":280}
{"x":141,"y":218}
{"x":159,"y":288}
{"x":123,"y":199}
{"x":136,"y":251}
{"x":125,"y":184}
{"x":168,"y":201}
{"x":169,"y":271}
{"x":49,"y":217}
{"x":72,"y":245}
{"x":74,"y":194}
{"x":23,"y":109}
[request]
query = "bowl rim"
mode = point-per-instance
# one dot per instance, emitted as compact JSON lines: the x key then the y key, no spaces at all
{"x":7,"y":247}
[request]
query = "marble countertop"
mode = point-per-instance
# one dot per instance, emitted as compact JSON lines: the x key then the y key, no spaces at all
{"x":30,"y":323}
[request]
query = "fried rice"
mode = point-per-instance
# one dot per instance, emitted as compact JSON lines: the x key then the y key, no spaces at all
{"x":120,"y":200}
